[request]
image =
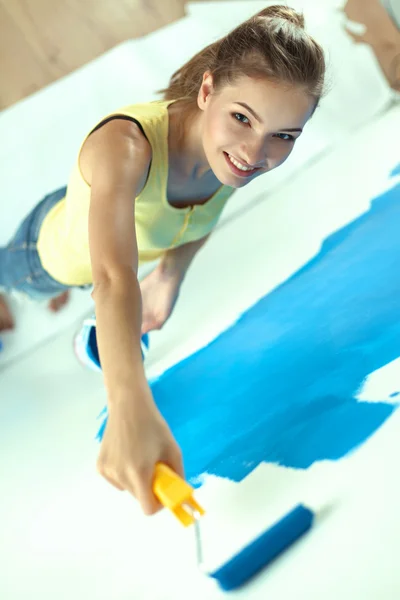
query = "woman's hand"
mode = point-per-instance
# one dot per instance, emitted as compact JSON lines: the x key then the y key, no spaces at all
{"x":135,"y":439}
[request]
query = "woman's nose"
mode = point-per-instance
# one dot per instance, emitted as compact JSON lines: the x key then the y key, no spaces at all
{"x":256,"y":155}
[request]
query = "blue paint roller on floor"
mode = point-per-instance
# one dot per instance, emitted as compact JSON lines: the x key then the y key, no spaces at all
{"x":177,"y":495}
{"x":263,"y":550}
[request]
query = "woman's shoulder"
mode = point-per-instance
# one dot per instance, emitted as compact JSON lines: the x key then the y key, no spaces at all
{"x":116,"y":142}
{"x":141,"y":128}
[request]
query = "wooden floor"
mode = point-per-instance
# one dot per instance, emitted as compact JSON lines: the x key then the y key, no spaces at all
{"x":43,"y":40}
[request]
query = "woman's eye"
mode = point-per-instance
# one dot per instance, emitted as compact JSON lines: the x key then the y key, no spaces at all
{"x":286,"y":137}
{"x":241,"y":118}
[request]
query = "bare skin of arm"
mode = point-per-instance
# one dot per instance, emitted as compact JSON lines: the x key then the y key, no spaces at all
{"x":115,"y":161}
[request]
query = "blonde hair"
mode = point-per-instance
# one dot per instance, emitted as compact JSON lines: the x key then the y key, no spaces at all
{"x":272,"y":44}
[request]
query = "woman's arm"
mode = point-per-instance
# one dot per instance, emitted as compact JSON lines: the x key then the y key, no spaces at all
{"x":115,"y":161}
{"x":119,"y":160}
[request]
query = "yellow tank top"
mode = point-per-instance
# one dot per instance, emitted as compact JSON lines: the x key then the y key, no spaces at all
{"x":63,"y":243}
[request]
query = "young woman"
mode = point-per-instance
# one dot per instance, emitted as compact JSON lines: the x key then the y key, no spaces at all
{"x":150,"y":182}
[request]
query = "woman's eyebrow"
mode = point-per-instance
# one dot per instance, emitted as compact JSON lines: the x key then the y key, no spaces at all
{"x":255,"y":115}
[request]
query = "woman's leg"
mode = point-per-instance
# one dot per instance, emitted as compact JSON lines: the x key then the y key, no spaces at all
{"x":56,"y":304}
{"x":20,"y":266}
{"x":6,"y":318}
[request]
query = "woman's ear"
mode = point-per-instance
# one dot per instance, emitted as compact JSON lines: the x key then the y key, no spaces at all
{"x":205,"y":91}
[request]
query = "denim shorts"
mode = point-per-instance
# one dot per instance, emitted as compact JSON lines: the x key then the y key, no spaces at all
{"x":20,"y":266}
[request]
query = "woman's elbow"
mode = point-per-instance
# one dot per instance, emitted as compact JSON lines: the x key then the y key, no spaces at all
{"x":113,"y":278}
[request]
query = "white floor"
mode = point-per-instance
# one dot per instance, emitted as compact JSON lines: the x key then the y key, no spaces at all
{"x":64,"y":533}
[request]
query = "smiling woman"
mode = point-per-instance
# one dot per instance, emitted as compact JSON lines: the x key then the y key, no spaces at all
{"x":150,"y":183}
{"x":261,"y":136}
{"x":271,"y":68}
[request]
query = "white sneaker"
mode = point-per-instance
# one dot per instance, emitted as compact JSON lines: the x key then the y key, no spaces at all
{"x":85,"y":345}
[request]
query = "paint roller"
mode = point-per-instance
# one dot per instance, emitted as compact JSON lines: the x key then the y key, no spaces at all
{"x":177,"y":495}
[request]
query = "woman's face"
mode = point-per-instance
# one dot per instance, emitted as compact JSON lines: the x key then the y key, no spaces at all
{"x":250,"y":127}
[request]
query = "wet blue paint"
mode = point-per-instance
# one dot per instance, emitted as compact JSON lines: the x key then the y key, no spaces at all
{"x":396,"y":171}
{"x":280,"y":385}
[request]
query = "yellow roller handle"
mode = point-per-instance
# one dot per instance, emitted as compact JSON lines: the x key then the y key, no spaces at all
{"x":176,"y":494}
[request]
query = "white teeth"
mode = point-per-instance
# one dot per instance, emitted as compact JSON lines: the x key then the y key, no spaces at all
{"x":239,"y":165}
